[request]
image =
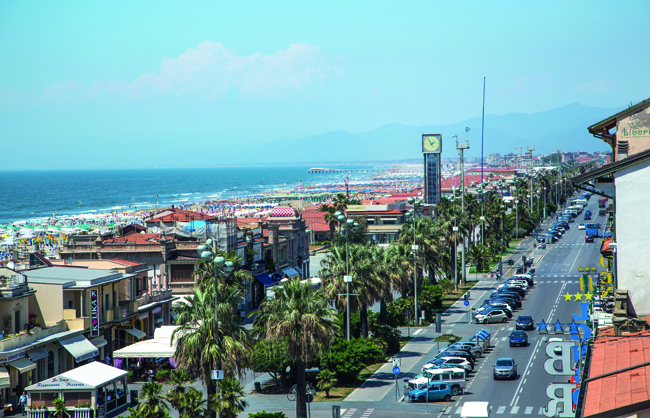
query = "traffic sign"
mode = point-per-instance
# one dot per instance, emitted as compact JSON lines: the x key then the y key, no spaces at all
{"x":310,"y":398}
{"x":397,"y":361}
{"x":395,"y":370}
{"x":217,"y":374}
{"x":466,"y":303}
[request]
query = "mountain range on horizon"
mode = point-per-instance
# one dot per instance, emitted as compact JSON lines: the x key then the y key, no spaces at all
{"x":563,"y":128}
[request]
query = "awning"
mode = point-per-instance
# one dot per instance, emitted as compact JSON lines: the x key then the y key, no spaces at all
{"x":290,"y":272}
{"x":160,"y":321}
{"x":87,"y":377}
{"x":389,"y":219}
{"x":4,"y":378}
{"x":98,"y":342}
{"x":136,"y":333}
{"x":265,"y":279}
{"x":80,"y":348}
{"x":143,"y":316}
{"x":23,"y":365}
{"x":37,"y":354}
{"x":155,"y":348}
{"x":299,"y":270}
{"x":157,"y":310}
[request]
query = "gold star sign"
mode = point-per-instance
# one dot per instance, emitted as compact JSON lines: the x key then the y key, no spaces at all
{"x":567,"y":297}
{"x":579,"y":268}
{"x":588,"y":296}
{"x":578,"y":296}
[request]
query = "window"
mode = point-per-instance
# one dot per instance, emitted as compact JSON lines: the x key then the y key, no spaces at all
{"x":72,"y":398}
{"x":50,"y":364}
{"x":60,"y":360}
{"x":435,"y":387}
{"x":457,"y":375}
{"x":46,"y":398}
{"x":445,"y":376}
{"x":107,"y":304}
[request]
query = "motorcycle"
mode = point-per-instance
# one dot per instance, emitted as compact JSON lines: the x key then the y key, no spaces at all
{"x":542,"y":246}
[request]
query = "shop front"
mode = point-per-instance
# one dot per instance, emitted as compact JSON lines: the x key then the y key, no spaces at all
{"x":92,"y":390}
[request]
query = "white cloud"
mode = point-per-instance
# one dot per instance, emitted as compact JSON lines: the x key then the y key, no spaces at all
{"x":209,"y":71}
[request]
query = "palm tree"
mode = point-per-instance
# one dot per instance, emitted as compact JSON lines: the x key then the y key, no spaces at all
{"x":479,"y":256}
{"x":326,"y":381}
{"x":329,"y":218}
{"x":300,"y":316}
{"x":196,"y":346}
{"x":152,"y":402}
{"x":231,"y":398}
{"x":192,"y":405}
{"x":59,"y":408}
{"x":179,"y":379}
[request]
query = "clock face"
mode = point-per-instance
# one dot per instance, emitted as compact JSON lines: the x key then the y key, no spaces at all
{"x":431,"y":143}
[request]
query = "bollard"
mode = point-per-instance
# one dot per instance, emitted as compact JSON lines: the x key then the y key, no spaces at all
{"x":258,"y":387}
{"x":336,"y":411}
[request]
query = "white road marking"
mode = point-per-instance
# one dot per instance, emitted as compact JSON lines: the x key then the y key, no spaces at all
{"x":460,"y":409}
{"x":555,"y":281}
{"x":529,"y":410}
{"x":537,"y":344}
{"x":514,"y":410}
{"x":501,"y":410}
{"x":418,"y":331}
{"x":541,"y":411}
{"x":504,"y":338}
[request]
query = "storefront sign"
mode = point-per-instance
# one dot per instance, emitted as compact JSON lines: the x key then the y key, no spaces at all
{"x":12,"y":357}
{"x":94,"y":313}
{"x":60,"y":382}
{"x":124,"y":327}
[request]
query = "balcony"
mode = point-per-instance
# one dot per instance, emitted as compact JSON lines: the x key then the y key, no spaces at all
{"x":12,"y":341}
{"x":106,"y":316}
{"x":155,"y":296}
{"x":11,"y":282}
{"x":125,"y":310}
{"x":75,"y":322}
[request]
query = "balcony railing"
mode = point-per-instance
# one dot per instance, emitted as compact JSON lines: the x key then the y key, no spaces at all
{"x":12,"y":341}
{"x":154,"y":296}
{"x":13,"y":281}
{"x":125,"y":310}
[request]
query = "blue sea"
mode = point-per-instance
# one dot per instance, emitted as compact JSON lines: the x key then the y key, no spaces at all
{"x":37,"y":194}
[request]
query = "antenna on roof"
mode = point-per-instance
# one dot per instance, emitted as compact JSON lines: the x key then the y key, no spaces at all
{"x":70,"y":260}
{"x":154,"y":229}
{"x":11,"y":264}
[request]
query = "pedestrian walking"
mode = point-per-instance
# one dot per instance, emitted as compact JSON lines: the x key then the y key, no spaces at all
{"x":23,"y":403}
{"x":243,"y":316}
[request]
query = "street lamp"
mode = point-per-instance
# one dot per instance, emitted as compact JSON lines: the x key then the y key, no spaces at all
{"x":347,"y":279}
{"x":208,"y":253}
{"x":455,"y":229}
{"x":413,"y":213}
{"x":544,"y":202}
{"x":517,"y":218}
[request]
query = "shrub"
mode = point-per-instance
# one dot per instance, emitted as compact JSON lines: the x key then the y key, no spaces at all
{"x":265,"y":414}
{"x":388,"y":337}
{"x":348,"y":358}
{"x":162,"y":375}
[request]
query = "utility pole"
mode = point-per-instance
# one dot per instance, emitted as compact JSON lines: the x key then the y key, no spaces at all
{"x":559,"y":169}
{"x":461,"y":146}
{"x":531,"y":148}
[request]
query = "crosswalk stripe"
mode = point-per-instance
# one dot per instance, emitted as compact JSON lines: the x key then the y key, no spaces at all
{"x":504,"y":338}
{"x":514,"y":410}
{"x":541,"y":411}
{"x":555,"y":281}
{"x":501,"y":410}
{"x":529,"y":410}
{"x":460,"y":408}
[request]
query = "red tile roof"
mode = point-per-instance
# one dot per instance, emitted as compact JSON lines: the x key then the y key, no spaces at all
{"x":124,"y":262}
{"x":623,"y":388}
{"x":178,"y":215}
{"x":378,"y":212}
{"x":135,"y":237}
{"x":247,"y":221}
{"x":315,"y":219}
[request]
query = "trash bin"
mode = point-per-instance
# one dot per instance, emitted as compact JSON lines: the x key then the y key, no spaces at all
{"x":258,"y":387}
{"x":452,"y":340}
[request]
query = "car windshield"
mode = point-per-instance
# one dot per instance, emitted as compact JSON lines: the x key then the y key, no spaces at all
{"x":503,"y":362}
{"x":440,"y":361}
{"x":524,"y":318}
{"x":518,"y":334}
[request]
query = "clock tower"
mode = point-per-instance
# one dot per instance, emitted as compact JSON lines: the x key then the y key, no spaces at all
{"x":432,"y":149}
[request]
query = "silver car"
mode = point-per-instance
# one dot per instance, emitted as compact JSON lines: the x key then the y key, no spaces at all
{"x":505,"y":368}
{"x":496,"y":315}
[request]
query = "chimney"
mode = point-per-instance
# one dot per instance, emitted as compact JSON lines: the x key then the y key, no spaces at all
{"x":622,"y":149}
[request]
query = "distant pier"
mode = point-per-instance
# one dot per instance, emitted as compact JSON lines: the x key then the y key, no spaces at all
{"x":319,"y":170}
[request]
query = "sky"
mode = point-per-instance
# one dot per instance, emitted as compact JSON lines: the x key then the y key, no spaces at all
{"x":86,"y":84}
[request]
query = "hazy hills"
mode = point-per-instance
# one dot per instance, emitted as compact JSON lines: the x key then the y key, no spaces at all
{"x":564,"y":128}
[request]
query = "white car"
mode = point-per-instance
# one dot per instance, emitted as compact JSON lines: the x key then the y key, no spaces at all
{"x":492,"y":316}
{"x":447,"y":362}
{"x":581,"y":226}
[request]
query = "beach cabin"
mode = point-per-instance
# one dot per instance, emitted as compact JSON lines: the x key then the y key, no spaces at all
{"x":93,"y":390}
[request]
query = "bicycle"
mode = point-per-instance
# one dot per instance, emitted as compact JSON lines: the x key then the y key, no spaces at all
{"x":293,"y":392}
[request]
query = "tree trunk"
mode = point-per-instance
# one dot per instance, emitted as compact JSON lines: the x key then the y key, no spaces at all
{"x":364,"y":321}
{"x":212,"y":390}
{"x":383,"y":313}
{"x":301,"y":399}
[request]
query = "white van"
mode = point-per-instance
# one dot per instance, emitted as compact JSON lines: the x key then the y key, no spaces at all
{"x":475,"y":410}
{"x":454,"y":376}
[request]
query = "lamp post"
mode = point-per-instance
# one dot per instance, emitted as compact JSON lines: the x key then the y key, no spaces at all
{"x":208,"y":253}
{"x":349,"y":224}
{"x":455,"y":229}
{"x":417,"y":209}
{"x":544,"y":202}
{"x":517,"y":218}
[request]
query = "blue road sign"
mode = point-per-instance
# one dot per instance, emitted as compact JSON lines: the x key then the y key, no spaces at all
{"x":466,"y":303}
{"x":395,"y":370}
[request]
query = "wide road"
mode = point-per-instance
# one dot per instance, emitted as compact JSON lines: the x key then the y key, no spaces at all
{"x":556,"y":275}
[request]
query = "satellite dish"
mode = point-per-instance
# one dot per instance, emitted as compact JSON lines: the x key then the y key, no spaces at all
{"x":11,"y":264}
{"x":103,"y":231}
{"x":154,"y":229}
{"x":142,"y":232}
{"x":70,"y":260}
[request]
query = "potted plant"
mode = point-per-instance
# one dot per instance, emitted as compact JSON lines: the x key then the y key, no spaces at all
{"x":162,"y":376}
{"x":60,"y":408}
{"x":129,"y":377}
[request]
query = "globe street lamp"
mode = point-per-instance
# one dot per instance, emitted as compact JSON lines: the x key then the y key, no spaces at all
{"x":455,"y":229}
{"x":517,"y":218}
{"x":347,"y":279}
{"x":544,"y":202}
{"x":222,"y":267}
{"x":413,"y":213}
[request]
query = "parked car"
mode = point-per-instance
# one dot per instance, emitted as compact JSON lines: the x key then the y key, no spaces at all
{"x":505,"y":368}
{"x":455,"y":377}
{"x":518,"y":337}
{"x":435,"y":392}
{"x":525,"y":322}
{"x":488,"y":308}
{"x":496,"y":315}
{"x":466,"y":354}
{"x":514,"y":303}
{"x":447,"y":362}
{"x":474,"y":348}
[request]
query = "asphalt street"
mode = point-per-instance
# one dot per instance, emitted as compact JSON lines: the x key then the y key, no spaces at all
{"x":556,"y":275}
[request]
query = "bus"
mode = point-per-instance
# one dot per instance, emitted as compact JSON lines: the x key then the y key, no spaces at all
{"x":591,"y":228}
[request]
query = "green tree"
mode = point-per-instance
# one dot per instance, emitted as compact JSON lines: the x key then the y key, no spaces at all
{"x":326,"y":381}
{"x":192,"y":405}
{"x":152,"y":401}
{"x":329,"y":218}
{"x":272,"y":358}
{"x":179,"y":380}
{"x":231,"y":401}
{"x":479,"y":256}
{"x":300,"y":316}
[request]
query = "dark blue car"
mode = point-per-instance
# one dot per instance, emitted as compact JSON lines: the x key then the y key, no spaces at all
{"x":518,"y":338}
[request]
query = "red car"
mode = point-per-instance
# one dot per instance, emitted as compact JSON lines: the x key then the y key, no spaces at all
{"x":589,"y":238}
